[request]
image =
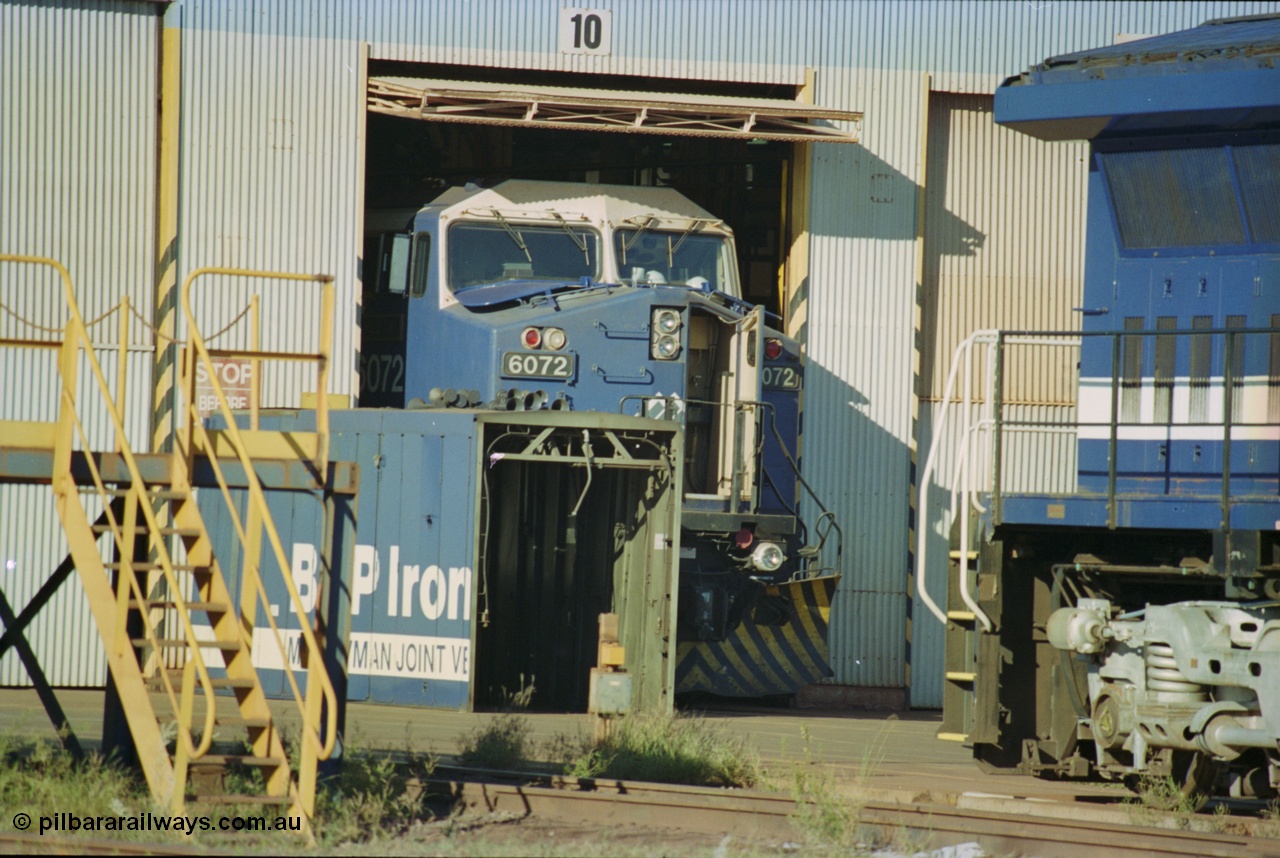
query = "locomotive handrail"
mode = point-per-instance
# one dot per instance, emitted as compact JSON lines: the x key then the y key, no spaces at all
{"x":991,"y":421}
{"x":765,"y":407}
{"x":322,"y":746}
{"x":959,"y":358}
{"x":962,"y":358}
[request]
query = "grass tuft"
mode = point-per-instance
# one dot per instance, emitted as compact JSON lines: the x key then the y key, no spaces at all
{"x":372,"y":798}
{"x":1268,"y":824}
{"x":502,"y":743}
{"x":681,"y":749}
{"x":41,"y":779}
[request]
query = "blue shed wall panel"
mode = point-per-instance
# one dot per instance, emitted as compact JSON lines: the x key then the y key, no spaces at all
{"x":410,"y":581}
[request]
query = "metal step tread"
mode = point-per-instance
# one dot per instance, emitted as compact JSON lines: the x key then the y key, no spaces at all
{"x":242,"y":759}
{"x":159,"y":494}
{"x":185,"y":532}
{"x":207,"y":607}
{"x":262,"y":800}
{"x":172,"y":643}
{"x":147,"y":566}
{"x":242,"y":721}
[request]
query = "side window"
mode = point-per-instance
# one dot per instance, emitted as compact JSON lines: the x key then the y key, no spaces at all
{"x":397,"y":265}
{"x":420,"y":261}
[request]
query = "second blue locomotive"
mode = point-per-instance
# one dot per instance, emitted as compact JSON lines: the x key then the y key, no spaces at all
{"x":1127,"y":624}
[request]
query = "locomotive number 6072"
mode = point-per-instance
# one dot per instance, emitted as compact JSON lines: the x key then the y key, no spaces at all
{"x":526,"y":365}
{"x":780,"y":378}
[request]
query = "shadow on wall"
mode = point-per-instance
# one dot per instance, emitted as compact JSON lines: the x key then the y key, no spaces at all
{"x":871,"y":199}
{"x":866,"y":471}
{"x":863,"y":480}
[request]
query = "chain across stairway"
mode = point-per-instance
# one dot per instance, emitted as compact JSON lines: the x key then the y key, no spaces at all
{"x":162,"y":598}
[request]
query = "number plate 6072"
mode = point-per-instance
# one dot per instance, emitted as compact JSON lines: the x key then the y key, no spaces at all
{"x":538,"y":365}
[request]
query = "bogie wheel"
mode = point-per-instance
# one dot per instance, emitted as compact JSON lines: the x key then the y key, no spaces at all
{"x":1188,"y":787}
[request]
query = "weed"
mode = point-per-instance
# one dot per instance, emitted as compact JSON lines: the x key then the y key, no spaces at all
{"x":1161,"y":802}
{"x":372,"y":797}
{"x":832,"y":822}
{"x":1268,"y":824}
{"x":41,"y":779}
{"x":825,"y":819}
{"x":503,"y":743}
{"x":519,"y":700}
{"x":681,"y":749}
{"x":571,"y":755}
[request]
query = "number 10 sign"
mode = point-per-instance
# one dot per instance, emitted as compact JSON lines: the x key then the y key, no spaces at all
{"x":586,"y":31}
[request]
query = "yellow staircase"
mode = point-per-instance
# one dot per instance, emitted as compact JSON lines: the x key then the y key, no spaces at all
{"x":161,"y":599}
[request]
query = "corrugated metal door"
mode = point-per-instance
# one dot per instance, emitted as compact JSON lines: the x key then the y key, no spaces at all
{"x":1003,"y":248}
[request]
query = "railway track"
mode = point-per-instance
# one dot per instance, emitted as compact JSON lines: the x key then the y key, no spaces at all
{"x":26,"y":843}
{"x":751,"y":816}
{"x":757,"y":816}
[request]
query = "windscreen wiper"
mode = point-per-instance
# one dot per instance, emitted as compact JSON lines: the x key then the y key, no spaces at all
{"x":694,"y":226}
{"x":511,"y":231}
{"x":580,"y":240}
{"x":640,"y":229}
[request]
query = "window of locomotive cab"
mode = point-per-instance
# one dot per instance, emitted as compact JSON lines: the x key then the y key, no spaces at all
{"x":483,"y":254}
{"x":677,"y":258}
{"x":1192,"y":199}
{"x":418,"y":264}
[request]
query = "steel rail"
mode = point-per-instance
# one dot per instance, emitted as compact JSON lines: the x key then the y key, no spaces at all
{"x":750,"y":814}
{"x":753,"y":816}
{"x":29,"y":843}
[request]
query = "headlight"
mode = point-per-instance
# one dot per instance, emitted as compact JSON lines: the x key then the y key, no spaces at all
{"x":554,"y":339}
{"x":666,"y":321}
{"x":772,"y":348}
{"x":768,"y":557}
{"x":531,"y":337}
{"x":666,"y":347}
{"x":664,"y":333}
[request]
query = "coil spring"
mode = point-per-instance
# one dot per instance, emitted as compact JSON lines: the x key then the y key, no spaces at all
{"x":1163,"y":675}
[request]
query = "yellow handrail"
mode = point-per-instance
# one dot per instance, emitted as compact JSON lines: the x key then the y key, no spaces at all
{"x":323,"y":746}
{"x":77,"y":336}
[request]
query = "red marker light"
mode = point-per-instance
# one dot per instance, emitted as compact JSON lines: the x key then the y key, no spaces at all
{"x":772,"y":348}
{"x":532,"y":338}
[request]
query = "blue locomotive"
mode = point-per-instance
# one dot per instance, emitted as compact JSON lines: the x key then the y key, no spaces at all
{"x":1125,"y":621}
{"x":535,"y":295}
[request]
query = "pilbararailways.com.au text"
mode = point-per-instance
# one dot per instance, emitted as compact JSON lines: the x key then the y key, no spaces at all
{"x":146,"y":821}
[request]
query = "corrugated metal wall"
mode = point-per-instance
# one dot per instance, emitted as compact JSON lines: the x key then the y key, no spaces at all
{"x":714,"y":40}
{"x":1003,"y":248}
{"x":1012,"y":259}
{"x":77,"y":165}
{"x":858,"y":406}
{"x":271,"y":178}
